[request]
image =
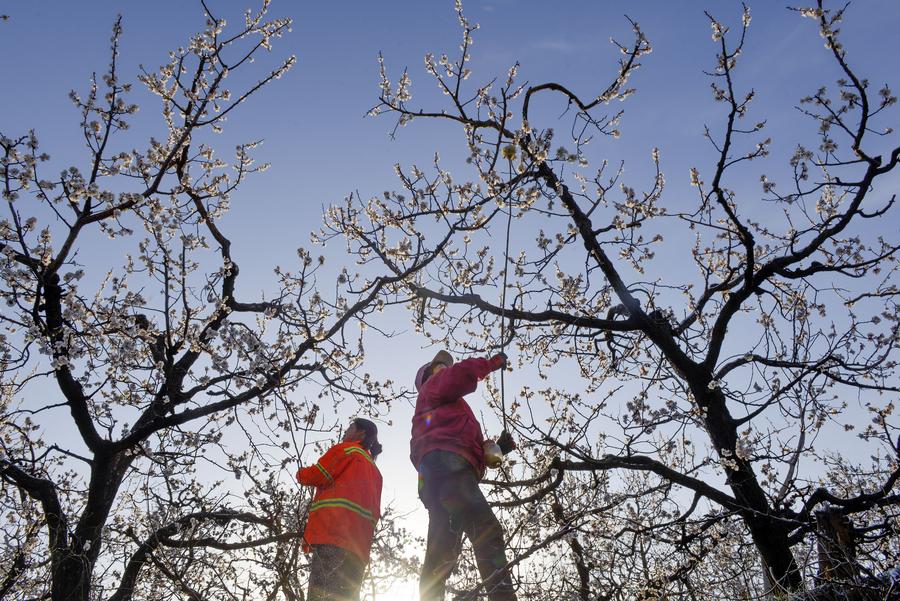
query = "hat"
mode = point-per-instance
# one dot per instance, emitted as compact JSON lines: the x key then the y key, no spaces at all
{"x":442,"y":357}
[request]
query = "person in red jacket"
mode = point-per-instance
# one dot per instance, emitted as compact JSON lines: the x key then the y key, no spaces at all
{"x":343,"y":513}
{"x":447,"y":449}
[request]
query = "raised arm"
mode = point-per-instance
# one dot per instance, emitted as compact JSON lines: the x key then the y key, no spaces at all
{"x":462,"y":378}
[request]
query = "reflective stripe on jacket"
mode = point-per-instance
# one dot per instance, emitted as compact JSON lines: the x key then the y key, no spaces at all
{"x":443,"y":419}
{"x":347,"y":503}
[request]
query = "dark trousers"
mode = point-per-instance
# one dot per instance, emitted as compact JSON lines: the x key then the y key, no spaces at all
{"x":335,"y":574}
{"x":449,"y":489}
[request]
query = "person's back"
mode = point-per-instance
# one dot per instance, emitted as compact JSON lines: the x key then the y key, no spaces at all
{"x":443,"y":419}
{"x":345,"y":510}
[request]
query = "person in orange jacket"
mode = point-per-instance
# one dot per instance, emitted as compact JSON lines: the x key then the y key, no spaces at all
{"x":343,"y":513}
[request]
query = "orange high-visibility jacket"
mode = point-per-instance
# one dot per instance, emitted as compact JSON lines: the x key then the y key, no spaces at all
{"x":347,"y":503}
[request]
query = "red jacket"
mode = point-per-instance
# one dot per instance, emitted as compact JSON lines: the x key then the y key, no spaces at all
{"x":443,"y":420}
{"x":347,"y":504}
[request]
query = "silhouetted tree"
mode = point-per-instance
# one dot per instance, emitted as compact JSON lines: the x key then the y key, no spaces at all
{"x":712,"y":404}
{"x":137,"y":382}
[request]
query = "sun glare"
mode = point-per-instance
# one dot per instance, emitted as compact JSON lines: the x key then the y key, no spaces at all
{"x":402,"y":590}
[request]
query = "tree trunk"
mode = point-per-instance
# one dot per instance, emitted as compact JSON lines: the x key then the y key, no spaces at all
{"x":71,"y":577}
{"x":73,"y":565}
{"x":769,"y":534}
{"x":836,"y":545}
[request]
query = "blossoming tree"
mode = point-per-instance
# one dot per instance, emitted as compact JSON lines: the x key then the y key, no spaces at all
{"x":147,"y":407}
{"x":711,"y":363}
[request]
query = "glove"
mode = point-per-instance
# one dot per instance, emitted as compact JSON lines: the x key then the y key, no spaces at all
{"x":506,"y":443}
{"x":498,"y":361}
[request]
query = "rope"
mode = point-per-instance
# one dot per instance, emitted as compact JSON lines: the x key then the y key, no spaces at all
{"x":503,"y":313}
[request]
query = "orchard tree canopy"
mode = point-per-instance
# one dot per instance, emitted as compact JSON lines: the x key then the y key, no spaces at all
{"x":719,"y":367}
{"x":133,"y":393}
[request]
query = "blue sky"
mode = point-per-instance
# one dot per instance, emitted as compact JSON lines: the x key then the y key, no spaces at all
{"x":321,"y":148}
